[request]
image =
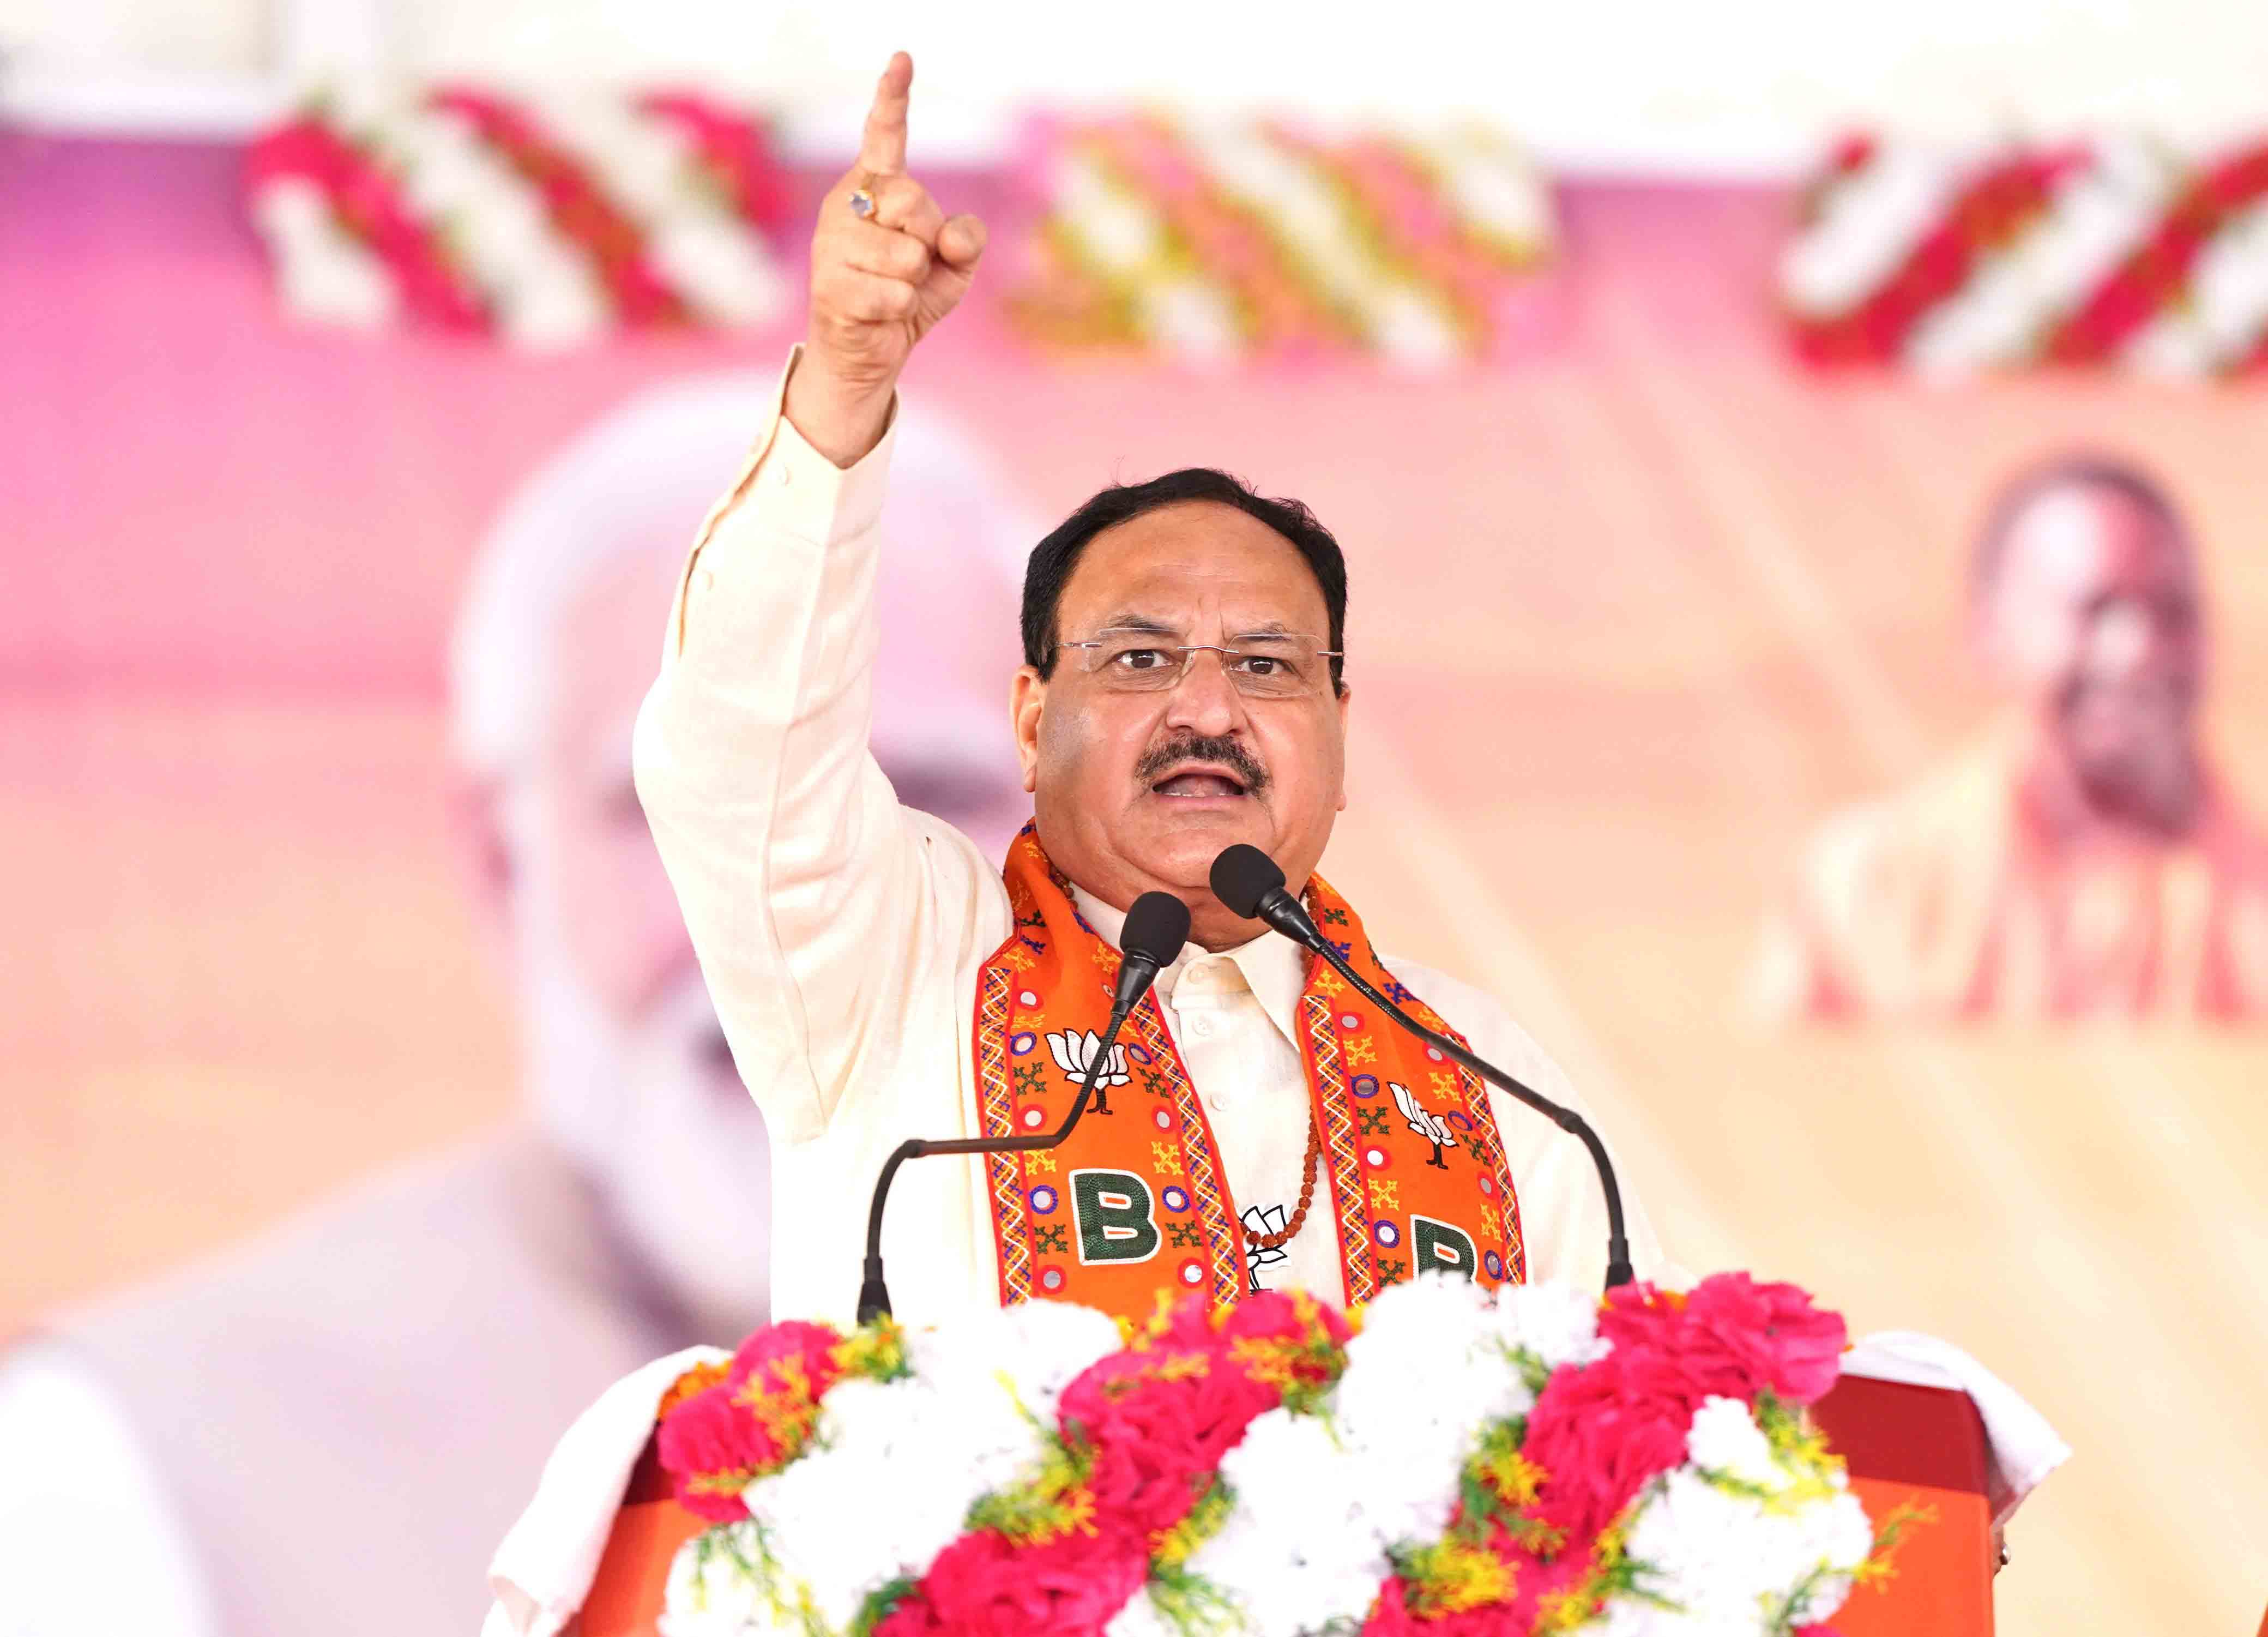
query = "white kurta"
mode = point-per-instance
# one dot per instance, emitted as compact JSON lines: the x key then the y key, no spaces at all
{"x":842,"y":934}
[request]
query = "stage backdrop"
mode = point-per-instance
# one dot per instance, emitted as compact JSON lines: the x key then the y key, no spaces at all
{"x":1632,"y":613}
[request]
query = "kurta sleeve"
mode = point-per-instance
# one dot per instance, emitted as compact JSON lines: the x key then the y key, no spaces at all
{"x":818,"y":905}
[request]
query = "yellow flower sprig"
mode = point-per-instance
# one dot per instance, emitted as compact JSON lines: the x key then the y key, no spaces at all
{"x":1510,"y":1477}
{"x":876,"y":1351}
{"x":1498,"y":1482}
{"x":1800,"y":1448}
{"x":1175,"y":1544}
{"x":1053,"y":1503}
{"x":1880,"y":1567}
{"x":1453,"y":1574}
{"x":1612,"y":1574}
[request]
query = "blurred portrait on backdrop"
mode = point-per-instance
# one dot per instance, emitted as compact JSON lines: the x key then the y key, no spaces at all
{"x":2078,"y":857}
{"x":626,"y":1213}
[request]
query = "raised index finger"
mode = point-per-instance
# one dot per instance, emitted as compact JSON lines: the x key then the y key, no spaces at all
{"x":882,"y":149}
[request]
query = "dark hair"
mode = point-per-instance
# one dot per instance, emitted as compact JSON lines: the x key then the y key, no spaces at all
{"x":1053,"y":560}
{"x":2064,"y":471}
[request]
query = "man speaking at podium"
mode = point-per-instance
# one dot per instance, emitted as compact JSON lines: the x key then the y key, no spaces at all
{"x":1261,"y":1125}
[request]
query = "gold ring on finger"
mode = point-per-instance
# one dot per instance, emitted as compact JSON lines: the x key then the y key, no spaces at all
{"x":862,"y":204}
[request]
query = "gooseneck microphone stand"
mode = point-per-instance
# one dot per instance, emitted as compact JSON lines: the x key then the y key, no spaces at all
{"x":1246,"y":880}
{"x":1157,"y":927}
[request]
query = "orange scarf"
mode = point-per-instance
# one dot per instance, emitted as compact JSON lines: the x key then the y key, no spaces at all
{"x":1137,"y":1201}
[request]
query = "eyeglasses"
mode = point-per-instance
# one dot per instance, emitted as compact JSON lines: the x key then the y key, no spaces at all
{"x":1270,"y":665}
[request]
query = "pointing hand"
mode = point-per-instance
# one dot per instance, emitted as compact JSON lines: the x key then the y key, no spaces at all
{"x":886,"y":264}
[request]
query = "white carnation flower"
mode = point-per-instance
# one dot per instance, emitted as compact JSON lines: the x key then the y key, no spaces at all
{"x":1118,"y":228}
{"x":1867,"y":226}
{"x":715,"y":1588}
{"x":720,"y":266}
{"x":1837,"y":1537}
{"x":1556,"y":1322}
{"x":2228,"y":287}
{"x":1727,"y":1563}
{"x":1420,"y":1322}
{"x":971,"y":1418}
{"x":1042,"y":1347}
{"x":638,"y":161}
{"x":1191,"y":319}
{"x":1698,"y":1547}
{"x":1422,"y":1379}
{"x":2098,"y":214}
{"x":1409,"y":327}
{"x":326,"y":274}
{"x":1627,"y":1617}
{"x":1992,"y":319}
{"x":554,"y":301}
{"x":1489,"y":184}
{"x":2174,"y":343}
{"x":1296,"y":1551}
{"x":1726,"y":1439}
{"x":833,"y":1533}
{"x":1433,"y":1367}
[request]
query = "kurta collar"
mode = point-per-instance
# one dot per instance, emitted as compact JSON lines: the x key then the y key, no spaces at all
{"x":1271,"y":966}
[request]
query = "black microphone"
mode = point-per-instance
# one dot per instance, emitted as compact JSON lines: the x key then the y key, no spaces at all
{"x":1157,"y":927}
{"x":1246,"y":880}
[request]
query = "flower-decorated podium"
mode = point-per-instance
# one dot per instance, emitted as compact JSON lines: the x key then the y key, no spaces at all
{"x":1449,"y":1465}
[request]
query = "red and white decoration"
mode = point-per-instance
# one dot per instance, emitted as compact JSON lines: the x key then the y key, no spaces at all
{"x":547,"y":223}
{"x":1449,"y":1463}
{"x":1213,"y":241}
{"x":2099,"y":252}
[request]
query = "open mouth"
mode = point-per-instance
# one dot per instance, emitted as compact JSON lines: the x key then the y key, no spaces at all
{"x":1190,"y":783}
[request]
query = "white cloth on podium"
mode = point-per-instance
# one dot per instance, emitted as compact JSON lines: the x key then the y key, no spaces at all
{"x":544,"y":1568}
{"x":2025,"y":1449}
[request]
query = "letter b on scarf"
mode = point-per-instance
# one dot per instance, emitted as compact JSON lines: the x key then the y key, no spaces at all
{"x":1441,"y":1247}
{"x":1116,"y":1217}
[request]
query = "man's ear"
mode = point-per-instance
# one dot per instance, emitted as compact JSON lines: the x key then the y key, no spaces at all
{"x":479,"y":838}
{"x":1346,"y":697}
{"x":1028,"y":695}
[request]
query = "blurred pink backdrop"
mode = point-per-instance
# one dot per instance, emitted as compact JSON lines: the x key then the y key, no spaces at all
{"x":1629,"y":615}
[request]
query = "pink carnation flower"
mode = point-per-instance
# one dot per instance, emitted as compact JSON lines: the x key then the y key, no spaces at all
{"x":1729,"y":1336}
{"x":721,"y":1440}
{"x":1159,"y":1423}
{"x":984,"y":1586}
{"x":712,"y":1449}
{"x":1790,"y":1345}
{"x":795,"y":1343}
{"x":1598,"y":1437}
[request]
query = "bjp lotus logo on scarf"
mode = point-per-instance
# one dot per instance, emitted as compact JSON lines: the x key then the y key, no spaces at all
{"x":1075,"y":1053}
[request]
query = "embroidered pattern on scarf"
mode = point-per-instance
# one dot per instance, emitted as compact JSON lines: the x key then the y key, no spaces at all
{"x":1137,"y":1201}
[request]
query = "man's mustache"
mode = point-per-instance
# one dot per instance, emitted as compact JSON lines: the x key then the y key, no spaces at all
{"x":1224,"y":748}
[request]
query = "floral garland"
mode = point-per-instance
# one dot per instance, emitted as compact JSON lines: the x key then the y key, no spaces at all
{"x":2106,"y":253}
{"x":1458,"y":1465}
{"x":548,"y":226}
{"x":1215,"y":241}
{"x":338,"y":225}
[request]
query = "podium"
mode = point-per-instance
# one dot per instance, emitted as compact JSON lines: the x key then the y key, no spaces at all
{"x":626,"y":1596}
{"x":1906,"y":1445}
{"x":1902,"y":1445}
